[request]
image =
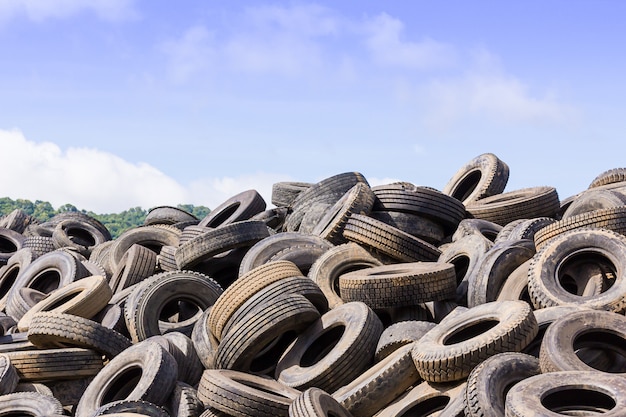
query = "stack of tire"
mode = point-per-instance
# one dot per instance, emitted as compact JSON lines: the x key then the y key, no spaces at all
{"x":344,"y":299}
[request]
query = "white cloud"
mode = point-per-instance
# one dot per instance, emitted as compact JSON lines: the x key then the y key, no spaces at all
{"x":102,"y":182}
{"x":39,"y":10}
{"x":487,"y":91}
{"x":387,"y":48}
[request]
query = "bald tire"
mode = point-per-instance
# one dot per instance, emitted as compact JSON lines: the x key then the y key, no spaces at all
{"x":50,"y":329}
{"x":385,"y":239}
{"x":454,"y":347}
{"x":399,"y":285}
{"x":245,"y":395}
{"x":489,"y":382}
{"x":244,"y":288}
{"x":315,"y":402}
{"x":30,"y":404}
{"x":137,"y":264}
{"x":413,"y":224}
{"x":55,"y":364}
{"x":611,"y":176}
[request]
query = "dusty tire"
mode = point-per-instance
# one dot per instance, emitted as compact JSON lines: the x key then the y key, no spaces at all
{"x":567,"y":393}
{"x":454,"y":347}
{"x":483,"y":176}
{"x":400,"y":334}
{"x":315,"y":402}
{"x":30,"y":404}
{"x":428,"y":399}
{"x":237,"y":208}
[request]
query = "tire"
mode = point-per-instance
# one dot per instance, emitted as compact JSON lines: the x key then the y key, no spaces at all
{"x":333,"y":350}
{"x":466,"y":254}
{"x":526,"y":203}
{"x":400,"y":334}
{"x":237,"y":208}
{"x":136,"y":407}
{"x":481,"y":177}
{"x":358,"y":199}
{"x":567,"y":393}
{"x":9,"y":272}
{"x":327,"y":269}
{"x":489,"y":382}
{"x":220,"y":240}
{"x":43,"y":365}
{"x":545,"y":317}
{"x":144,"y":371}
{"x":243,"y":288}
{"x":516,"y":285}
{"x":415,"y":225}
{"x":594,"y":331}
{"x":428,"y":399}
{"x":497,"y":265}
{"x":164,"y":296}
{"x":399,"y":285}
{"x":602,"y":250}
{"x":51,"y":329}
{"x":453,"y":348}
{"x":84,"y":298}
{"x":184,"y":401}
{"x":255,"y":343}
{"x":611,"y":176}
{"x":152,"y":237}
{"x":594,"y":199}
{"x":485,"y":228}
{"x":30,"y":403}
{"x":284,"y":192}
{"x":315,"y":402}
{"x":168,"y":215}
{"x":379,"y":385}
{"x":523,"y":229}
{"x":17,"y":220}
{"x":273,"y":218}
{"x":189,"y":365}
{"x":245,"y":395}
{"x":78,"y":235}
{"x":10,"y":242}
{"x":203,"y":340}
{"x":8,"y":375}
{"x":391,"y":242}
{"x":39,"y":245}
{"x":300,"y":248}
{"x":137,"y":264}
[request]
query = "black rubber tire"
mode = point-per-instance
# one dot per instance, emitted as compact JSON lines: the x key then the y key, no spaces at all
{"x":137,"y":264}
{"x":168,"y":215}
{"x":285,"y":287}
{"x":184,"y":401}
{"x":30,"y":404}
{"x":523,"y":229}
{"x":358,"y":199}
{"x":9,"y":272}
{"x":244,"y":288}
{"x":429,"y":399}
{"x":333,"y":350}
{"x":153,"y":237}
{"x":8,"y":375}
{"x":43,"y":365}
{"x":163,"y":294}
{"x":145,"y":371}
{"x":284,"y":192}
{"x":78,"y":235}
{"x":611,"y":176}
{"x":466,"y":254}
{"x":490,"y":381}
{"x":39,"y":245}
{"x":10,"y":242}
{"x":453,"y":348}
{"x":327,"y":269}
{"x":313,"y":215}
{"x":50,"y":329}
{"x":216,"y":241}
{"x":203,"y":340}
{"x":273,"y":218}
{"x":526,"y":203}
{"x":594,"y":199}
{"x":237,"y":208}
{"x":136,"y":407}
{"x":595,"y":331}
{"x":379,"y":385}
{"x":400,"y":334}
{"x":575,"y":393}
{"x":483,"y":176}
{"x":423,"y":201}
{"x":399,"y":285}
{"x":245,"y":395}
{"x":257,"y":341}
{"x":315,"y":402}
{"x":600,"y":248}
{"x":17,"y":220}
{"x":300,"y":248}
{"x":485,"y":283}
{"x":612,"y":219}
{"x":413,"y":224}
{"x":516,"y":285}
{"x":391,"y":242}
{"x":545,"y":317}
{"x":485,"y":228}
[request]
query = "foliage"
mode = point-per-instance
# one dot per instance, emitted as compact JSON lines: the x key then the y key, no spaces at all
{"x":116,"y":223}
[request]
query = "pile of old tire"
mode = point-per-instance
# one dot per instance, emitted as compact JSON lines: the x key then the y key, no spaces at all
{"x":344,"y":299}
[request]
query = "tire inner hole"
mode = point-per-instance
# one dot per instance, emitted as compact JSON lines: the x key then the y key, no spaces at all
{"x":470,"y":330}
{"x":322,"y":345}
{"x":569,"y":401}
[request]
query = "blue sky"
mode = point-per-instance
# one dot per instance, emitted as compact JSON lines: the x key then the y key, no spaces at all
{"x":110,"y":104}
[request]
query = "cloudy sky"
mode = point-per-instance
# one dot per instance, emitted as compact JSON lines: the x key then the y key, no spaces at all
{"x":111,"y":104}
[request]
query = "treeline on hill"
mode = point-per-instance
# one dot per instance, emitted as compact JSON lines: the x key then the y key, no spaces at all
{"x":115,"y":222}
